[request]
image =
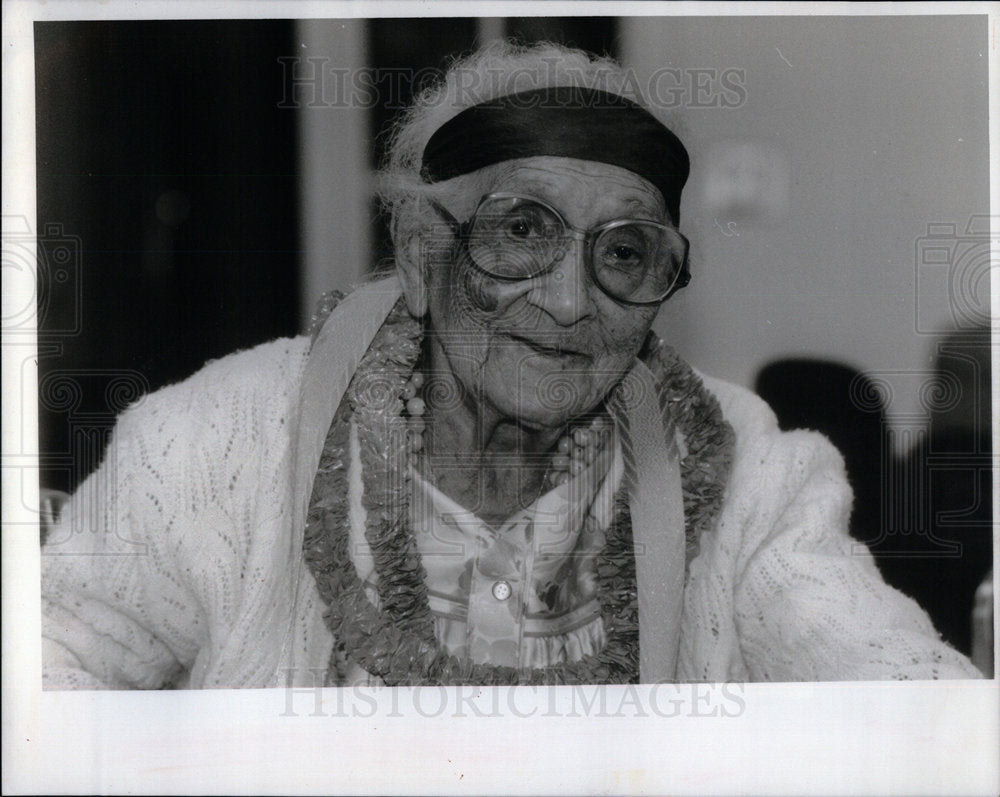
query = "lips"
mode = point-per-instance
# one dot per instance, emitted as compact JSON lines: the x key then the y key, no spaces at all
{"x":550,"y":348}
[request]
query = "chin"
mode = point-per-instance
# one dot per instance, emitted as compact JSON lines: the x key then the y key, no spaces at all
{"x":552,"y":406}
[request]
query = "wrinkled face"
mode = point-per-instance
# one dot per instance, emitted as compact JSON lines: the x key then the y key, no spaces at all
{"x":542,"y":350}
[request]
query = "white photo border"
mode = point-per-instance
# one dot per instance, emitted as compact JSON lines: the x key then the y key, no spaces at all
{"x":851,"y":738}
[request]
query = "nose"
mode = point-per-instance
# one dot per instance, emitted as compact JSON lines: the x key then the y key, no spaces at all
{"x":563,"y":292}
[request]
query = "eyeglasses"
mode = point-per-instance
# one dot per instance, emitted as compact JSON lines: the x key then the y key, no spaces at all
{"x":513,"y":237}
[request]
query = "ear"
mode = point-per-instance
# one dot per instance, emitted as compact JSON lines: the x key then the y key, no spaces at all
{"x":410,"y":268}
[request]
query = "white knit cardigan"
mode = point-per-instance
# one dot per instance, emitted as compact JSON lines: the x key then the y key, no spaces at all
{"x":172,"y":564}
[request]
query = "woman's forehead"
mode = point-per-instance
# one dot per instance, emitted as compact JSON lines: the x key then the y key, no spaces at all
{"x":584,"y":185}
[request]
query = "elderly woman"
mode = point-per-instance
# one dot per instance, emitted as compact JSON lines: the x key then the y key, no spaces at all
{"x":484,"y":468}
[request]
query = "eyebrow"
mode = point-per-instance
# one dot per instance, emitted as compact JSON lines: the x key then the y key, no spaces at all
{"x":540,"y":189}
{"x":637,"y":204}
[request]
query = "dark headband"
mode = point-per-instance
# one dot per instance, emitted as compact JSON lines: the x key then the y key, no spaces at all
{"x":565,"y":121}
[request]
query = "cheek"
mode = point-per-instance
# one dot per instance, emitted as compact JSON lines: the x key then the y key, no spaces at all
{"x":478,"y":293}
{"x":462,"y":296}
{"x":624,"y":330}
{"x":463,"y":306}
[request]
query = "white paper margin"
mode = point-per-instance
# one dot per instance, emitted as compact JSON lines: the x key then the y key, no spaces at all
{"x":853,"y":738}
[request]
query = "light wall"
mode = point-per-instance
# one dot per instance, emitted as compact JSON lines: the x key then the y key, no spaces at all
{"x":882,"y":126}
{"x":334,"y":149}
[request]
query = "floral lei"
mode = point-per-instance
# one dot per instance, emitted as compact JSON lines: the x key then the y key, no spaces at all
{"x":396,"y":641}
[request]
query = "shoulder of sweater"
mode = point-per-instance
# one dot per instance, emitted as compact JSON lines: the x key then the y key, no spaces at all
{"x":743,"y":408}
{"x":759,"y":439}
{"x":797,"y":475}
{"x":267,"y":375}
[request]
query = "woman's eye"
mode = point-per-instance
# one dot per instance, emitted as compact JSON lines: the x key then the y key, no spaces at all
{"x":524,"y":226}
{"x":621,"y":255}
{"x":519,"y":228}
{"x":625,"y":253}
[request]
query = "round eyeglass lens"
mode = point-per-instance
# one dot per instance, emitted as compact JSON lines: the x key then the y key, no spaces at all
{"x":514,"y":238}
{"x":637,"y":261}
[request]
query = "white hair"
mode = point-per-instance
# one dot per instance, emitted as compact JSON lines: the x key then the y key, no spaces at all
{"x":498,"y":69}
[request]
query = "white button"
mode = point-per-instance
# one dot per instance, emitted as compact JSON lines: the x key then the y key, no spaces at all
{"x":501,"y":590}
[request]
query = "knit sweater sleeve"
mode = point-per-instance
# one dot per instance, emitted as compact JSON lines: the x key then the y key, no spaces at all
{"x":809,"y":602}
{"x":113,"y":613}
{"x":145,"y":571}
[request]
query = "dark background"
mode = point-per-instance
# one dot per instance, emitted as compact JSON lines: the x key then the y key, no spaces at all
{"x":161,"y":151}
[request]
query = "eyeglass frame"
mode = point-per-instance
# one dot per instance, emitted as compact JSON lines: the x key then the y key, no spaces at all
{"x":587,"y":237}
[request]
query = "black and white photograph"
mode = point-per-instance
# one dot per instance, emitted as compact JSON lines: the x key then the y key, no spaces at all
{"x":593,"y":386}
